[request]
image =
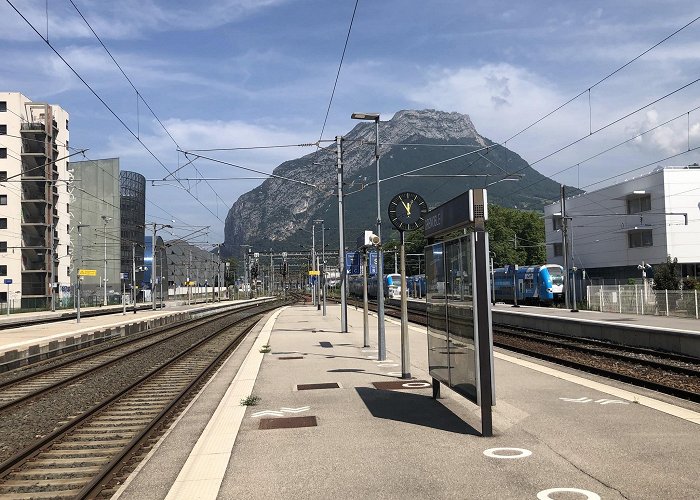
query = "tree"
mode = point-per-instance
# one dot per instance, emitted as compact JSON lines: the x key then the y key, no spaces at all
{"x":665,"y":275}
{"x":516,"y":236}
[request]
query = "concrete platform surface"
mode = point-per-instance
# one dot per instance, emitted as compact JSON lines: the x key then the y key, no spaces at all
{"x":634,"y":320}
{"x":559,"y":434}
{"x":17,"y":338}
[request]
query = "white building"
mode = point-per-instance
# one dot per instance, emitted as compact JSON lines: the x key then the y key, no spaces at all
{"x":34,"y":204}
{"x":642,"y":220}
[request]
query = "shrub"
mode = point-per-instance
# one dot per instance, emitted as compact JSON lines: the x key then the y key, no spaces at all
{"x":665,"y":275}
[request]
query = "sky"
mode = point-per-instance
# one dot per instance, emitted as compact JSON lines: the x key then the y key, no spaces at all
{"x":249,"y":73}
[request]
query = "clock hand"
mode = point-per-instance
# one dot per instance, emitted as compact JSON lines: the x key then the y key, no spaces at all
{"x":407,"y":206}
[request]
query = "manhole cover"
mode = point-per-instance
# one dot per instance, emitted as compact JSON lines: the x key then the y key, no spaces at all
{"x":291,"y":357}
{"x":403,"y":384}
{"x":287,"y":422}
{"x":307,"y":387}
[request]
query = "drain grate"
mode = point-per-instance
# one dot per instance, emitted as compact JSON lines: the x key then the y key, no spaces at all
{"x":307,"y":387}
{"x":325,"y":343}
{"x":403,"y":384}
{"x":291,"y":357}
{"x":287,"y":422}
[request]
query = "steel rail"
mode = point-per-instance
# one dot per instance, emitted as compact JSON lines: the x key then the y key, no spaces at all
{"x":188,"y":324}
{"x":9,"y":465}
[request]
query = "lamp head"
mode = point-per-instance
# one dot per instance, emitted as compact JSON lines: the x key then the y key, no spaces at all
{"x":365,"y":116}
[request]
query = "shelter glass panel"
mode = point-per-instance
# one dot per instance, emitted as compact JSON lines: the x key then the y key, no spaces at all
{"x":460,"y":316}
{"x":437,"y":313}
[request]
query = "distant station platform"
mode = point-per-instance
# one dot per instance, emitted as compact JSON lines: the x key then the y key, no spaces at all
{"x":334,"y":422}
{"x":643,"y":320}
{"x":19,"y":343}
{"x":666,"y":333}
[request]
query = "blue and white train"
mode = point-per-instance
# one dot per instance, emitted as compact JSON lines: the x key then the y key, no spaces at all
{"x":539,"y":285}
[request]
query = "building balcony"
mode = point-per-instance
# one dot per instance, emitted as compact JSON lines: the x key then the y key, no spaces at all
{"x":32,"y":128}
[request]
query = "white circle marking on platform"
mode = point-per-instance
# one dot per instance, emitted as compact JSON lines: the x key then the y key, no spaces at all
{"x":520,"y":452}
{"x":416,"y":385}
{"x":544,"y":495}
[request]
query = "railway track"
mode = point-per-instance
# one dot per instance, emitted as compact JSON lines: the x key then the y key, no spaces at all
{"x":85,"y":454}
{"x":667,"y":373}
{"x":34,"y":381}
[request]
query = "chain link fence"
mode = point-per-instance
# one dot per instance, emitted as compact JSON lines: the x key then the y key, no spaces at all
{"x":642,"y":299}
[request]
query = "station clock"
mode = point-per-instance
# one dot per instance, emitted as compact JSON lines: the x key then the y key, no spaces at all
{"x":407,"y":211}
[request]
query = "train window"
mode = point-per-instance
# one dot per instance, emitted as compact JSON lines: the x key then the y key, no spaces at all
{"x":529,"y":283}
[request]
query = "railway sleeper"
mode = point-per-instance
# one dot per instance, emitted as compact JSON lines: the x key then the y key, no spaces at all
{"x":97,"y":445}
{"x":61,"y":462}
{"x":96,"y":429}
{"x":26,"y":486}
{"x":56,"y":473}
{"x":39,"y":495}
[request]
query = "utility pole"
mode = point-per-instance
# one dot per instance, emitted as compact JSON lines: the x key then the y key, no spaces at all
{"x":323,"y":264}
{"x":133,"y":273}
{"x":314,"y":297}
{"x":78,"y":277}
{"x":341,"y":237}
{"x":53,"y":274}
{"x":565,"y":245}
{"x":105,"y":219}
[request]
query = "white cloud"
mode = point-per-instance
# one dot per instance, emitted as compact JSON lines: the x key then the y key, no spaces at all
{"x":671,"y":138}
{"x":125,"y":19}
{"x":501,"y":99}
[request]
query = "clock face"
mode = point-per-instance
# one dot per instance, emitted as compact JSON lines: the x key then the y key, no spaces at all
{"x":407,"y":211}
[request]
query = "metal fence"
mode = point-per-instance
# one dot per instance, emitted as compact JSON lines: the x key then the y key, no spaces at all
{"x":642,"y":299}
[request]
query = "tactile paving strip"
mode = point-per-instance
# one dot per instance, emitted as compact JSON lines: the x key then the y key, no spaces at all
{"x":287,"y":422}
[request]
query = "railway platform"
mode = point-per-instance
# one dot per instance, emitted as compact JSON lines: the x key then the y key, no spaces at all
{"x":326,"y":427}
{"x":22,"y":342}
{"x":665,"y":333}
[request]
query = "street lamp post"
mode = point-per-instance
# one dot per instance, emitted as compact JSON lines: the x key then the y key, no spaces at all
{"x":380,"y":255}
{"x":105,"y":220}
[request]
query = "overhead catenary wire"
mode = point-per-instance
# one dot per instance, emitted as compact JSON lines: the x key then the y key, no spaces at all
{"x":614,"y":72}
{"x":139,"y":96}
{"x":337,"y":75}
{"x":104,"y":103}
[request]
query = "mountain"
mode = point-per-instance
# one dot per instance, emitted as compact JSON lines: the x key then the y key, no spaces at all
{"x":272,"y":214}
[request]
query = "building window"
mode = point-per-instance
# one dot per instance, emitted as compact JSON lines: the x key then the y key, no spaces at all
{"x":558,"y":251}
{"x":3,"y":247}
{"x":3,"y":175}
{"x":3,"y":129}
{"x":639,"y":204}
{"x":66,"y":124}
{"x":640,"y":238}
{"x":3,"y":223}
{"x":3,"y":152}
{"x":556,"y":222}
{"x":3,"y":270}
{"x":3,"y":106}
{"x":3,"y":199}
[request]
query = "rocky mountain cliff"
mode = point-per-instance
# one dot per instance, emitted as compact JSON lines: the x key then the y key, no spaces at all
{"x":271,"y":215}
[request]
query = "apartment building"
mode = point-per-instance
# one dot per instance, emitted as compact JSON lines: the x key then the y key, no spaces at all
{"x":35,"y":248}
{"x":616,"y":232}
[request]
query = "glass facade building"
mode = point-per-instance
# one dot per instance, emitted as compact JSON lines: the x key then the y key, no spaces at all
{"x":132,"y":189}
